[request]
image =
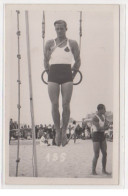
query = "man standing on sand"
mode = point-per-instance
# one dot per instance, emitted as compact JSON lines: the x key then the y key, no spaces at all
{"x":98,"y":137}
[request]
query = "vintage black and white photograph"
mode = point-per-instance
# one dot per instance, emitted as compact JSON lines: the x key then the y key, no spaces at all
{"x":62,"y":94}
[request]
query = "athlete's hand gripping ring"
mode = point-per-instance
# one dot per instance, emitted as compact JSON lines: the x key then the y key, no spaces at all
{"x":81,"y":77}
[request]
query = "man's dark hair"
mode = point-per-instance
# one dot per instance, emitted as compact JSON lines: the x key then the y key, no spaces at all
{"x":61,"y":22}
{"x":74,"y":122}
{"x":100,"y":107}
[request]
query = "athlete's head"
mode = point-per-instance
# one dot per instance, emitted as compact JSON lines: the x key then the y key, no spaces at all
{"x":101,"y":108}
{"x":60,"y":27}
{"x":74,"y":122}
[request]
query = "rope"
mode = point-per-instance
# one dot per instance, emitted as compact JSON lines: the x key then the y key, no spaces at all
{"x":80,"y":33}
{"x":19,"y":82}
{"x":43,"y":29}
{"x":31,"y":94}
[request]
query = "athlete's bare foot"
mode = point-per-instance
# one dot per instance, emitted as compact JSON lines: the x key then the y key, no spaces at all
{"x":58,"y":137}
{"x":105,"y":172}
{"x":94,"y":173}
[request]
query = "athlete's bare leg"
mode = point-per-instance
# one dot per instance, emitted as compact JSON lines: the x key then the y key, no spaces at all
{"x":96,"y":149}
{"x":54,"y":91}
{"x":66,"y":90}
{"x":103,"y":147}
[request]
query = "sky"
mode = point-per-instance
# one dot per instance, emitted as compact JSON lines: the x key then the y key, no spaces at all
{"x":98,"y":42}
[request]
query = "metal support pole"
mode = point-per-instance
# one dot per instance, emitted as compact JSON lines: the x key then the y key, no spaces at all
{"x":19,"y":83}
{"x":31,"y":94}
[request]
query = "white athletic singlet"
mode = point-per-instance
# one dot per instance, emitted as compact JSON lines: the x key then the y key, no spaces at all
{"x":61,"y":55}
{"x":101,"y":123}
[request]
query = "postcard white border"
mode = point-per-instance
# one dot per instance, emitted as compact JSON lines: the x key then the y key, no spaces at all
{"x":88,"y":2}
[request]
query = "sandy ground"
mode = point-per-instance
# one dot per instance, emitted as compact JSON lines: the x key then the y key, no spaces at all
{"x":73,"y":160}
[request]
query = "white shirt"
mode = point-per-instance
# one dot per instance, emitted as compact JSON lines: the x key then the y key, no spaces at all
{"x":61,"y":55}
{"x":101,"y":123}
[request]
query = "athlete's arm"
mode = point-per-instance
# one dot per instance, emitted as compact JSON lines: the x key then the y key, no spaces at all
{"x":95,"y":121}
{"x":106,"y":126}
{"x":76,"y":53}
{"x":47,"y":54}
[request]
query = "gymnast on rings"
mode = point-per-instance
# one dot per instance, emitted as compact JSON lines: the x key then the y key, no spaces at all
{"x":59,"y":54}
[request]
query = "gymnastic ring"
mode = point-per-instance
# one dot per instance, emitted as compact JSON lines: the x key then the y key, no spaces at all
{"x":81,"y":77}
{"x":42,"y":76}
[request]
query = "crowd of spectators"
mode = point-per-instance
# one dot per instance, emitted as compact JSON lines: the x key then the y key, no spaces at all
{"x":82,"y":131}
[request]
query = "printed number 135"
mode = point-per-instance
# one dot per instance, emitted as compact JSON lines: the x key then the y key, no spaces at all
{"x":55,"y":157}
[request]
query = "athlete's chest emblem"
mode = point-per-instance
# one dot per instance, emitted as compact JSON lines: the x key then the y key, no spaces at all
{"x":67,"y":49}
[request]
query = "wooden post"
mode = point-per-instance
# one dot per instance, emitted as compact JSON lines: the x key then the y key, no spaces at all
{"x":31,"y":94}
